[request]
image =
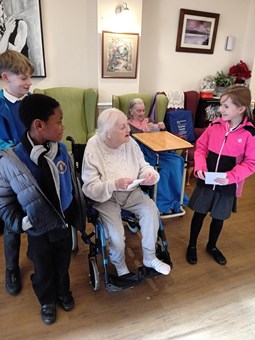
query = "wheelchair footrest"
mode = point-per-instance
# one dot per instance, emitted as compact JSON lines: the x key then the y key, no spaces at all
{"x":146,"y":272}
{"x":117,"y":283}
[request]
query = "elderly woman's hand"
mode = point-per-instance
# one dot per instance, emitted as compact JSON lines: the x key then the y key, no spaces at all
{"x":150,"y":179}
{"x":161,"y":125}
{"x":123,"y":183}
{"x":148,"y":127}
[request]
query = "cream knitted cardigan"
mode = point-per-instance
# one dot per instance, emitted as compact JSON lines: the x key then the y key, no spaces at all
{"x":103,"y":165}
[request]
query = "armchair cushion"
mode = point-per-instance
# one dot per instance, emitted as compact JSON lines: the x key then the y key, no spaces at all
{"x":80,"y":110}
{"x":191,"y":99}
{"x":122,"y":102}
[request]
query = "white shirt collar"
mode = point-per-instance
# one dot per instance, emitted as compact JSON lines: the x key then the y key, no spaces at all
{"x":12,"y":98}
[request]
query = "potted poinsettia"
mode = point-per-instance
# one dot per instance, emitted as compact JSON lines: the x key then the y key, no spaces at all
{"x":240,"y":71}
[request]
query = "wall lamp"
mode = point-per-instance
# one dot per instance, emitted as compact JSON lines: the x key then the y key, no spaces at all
{"x":230,"y":43}
{"x":122,"y":7}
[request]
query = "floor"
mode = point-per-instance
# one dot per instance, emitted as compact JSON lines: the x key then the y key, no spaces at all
{"x":203,"y":301}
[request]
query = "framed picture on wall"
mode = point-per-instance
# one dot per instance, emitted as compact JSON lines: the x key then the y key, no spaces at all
{"x":119,"y":54}
{"x":21,"y":30}
{"x":197,"y":31}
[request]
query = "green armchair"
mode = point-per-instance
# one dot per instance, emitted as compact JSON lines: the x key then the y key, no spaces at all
{"x":122,"y":102}
{"x":80,"y":111}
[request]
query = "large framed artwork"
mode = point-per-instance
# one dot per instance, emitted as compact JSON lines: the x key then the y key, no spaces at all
{"x":197,"y":31}
{"x":21,"y":30}
{"x":119,"y":54}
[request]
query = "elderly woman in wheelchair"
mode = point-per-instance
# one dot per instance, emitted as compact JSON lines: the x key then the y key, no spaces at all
{"x":112,"y":163}
{"x":170,"y":164}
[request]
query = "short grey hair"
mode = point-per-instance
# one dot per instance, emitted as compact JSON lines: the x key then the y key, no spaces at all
{"x":107,"y":120}
{"x":132,"y":103}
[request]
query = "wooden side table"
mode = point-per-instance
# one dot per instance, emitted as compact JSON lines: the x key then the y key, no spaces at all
{"x":165,"y":141}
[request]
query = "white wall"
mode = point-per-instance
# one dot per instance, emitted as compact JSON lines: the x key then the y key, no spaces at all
{"x":109,"y":21}
{"x":162,"y":68}
{"x":72,"y":43}
{"x":70,"y":46}
{"x":249,"y":44}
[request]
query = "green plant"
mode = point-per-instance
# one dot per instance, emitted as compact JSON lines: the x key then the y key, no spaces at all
{"x":224,"y":80}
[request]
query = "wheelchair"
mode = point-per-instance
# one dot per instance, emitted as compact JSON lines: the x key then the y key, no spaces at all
{"x":96,"y":240}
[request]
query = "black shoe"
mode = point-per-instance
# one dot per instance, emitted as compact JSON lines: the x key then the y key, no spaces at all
{"x":13,"y":281}
{"x":217,"y":255}
{"x":129,"y":277}
{"x":66,"y":302}
{"x":191,"y":255}
{"x":48,"y":313}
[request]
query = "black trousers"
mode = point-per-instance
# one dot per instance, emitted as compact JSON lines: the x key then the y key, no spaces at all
{"x":1,"y":226}
{"x":51,"y":257}
{"x":11,"y":249}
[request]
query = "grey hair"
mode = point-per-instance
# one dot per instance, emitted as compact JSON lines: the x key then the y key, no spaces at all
{"x":133,"y":103}
{"x":106,"y":122}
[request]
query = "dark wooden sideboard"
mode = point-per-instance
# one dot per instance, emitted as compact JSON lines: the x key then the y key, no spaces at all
{"x":207,"y":111}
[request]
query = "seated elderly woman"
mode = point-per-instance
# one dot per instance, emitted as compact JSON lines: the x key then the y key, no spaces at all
{"x":137,"y":120}
{"x":171,"y":165}
{"x":111,"y":162}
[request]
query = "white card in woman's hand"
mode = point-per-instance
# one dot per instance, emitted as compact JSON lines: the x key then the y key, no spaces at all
{"x":135,"y":183}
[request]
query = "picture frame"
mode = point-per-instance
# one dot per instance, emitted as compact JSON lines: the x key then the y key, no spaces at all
{"x":27,"y":35}
{"x":119,"y":54}
{"x":197,"y":31}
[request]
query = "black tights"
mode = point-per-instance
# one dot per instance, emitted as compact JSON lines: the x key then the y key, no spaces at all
{"x":196,"y":226}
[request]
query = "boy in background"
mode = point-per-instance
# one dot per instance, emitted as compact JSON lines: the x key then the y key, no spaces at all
{"x":38,"y":195}
{"x":16,"y":71}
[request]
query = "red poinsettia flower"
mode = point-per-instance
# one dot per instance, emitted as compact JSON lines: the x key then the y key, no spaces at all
{"x":240,"y":71}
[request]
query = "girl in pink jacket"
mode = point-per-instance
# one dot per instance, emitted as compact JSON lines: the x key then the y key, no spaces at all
{"x":226,"y":147}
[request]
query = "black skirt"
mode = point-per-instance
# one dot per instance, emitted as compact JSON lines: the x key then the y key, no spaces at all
{"x":204,"y":200}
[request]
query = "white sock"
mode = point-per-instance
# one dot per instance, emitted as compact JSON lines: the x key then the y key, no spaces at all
{"x":121,"y":269}
{"x":159,"y":266}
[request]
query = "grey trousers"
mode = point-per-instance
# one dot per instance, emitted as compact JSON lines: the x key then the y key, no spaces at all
{"x":144,"y":208}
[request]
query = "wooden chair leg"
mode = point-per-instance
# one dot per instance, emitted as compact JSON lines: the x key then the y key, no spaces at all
{"x":188,"y":175}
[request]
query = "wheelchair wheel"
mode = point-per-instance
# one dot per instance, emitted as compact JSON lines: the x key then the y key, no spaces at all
{"x":133,"y":227}
{"x":94,"y":274}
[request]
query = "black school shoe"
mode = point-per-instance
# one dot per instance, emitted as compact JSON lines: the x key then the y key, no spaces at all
{"x":191,"y":255}
{"x":66,"y":302}
{"x":217,"y":255}
{"x":13,"y":281}
{"x":48,"y":313}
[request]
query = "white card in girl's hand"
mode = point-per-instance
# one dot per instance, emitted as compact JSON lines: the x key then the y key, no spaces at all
{"x":211,"y":176}
{"x":135,"y":183}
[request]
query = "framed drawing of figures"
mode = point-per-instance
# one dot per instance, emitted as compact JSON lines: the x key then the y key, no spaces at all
{"x":119,"y":54}
{"x":197,"y":31}
{"x":21,"y":30}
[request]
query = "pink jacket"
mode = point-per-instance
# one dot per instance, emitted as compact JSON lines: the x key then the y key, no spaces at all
{"x":220,"y":149}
